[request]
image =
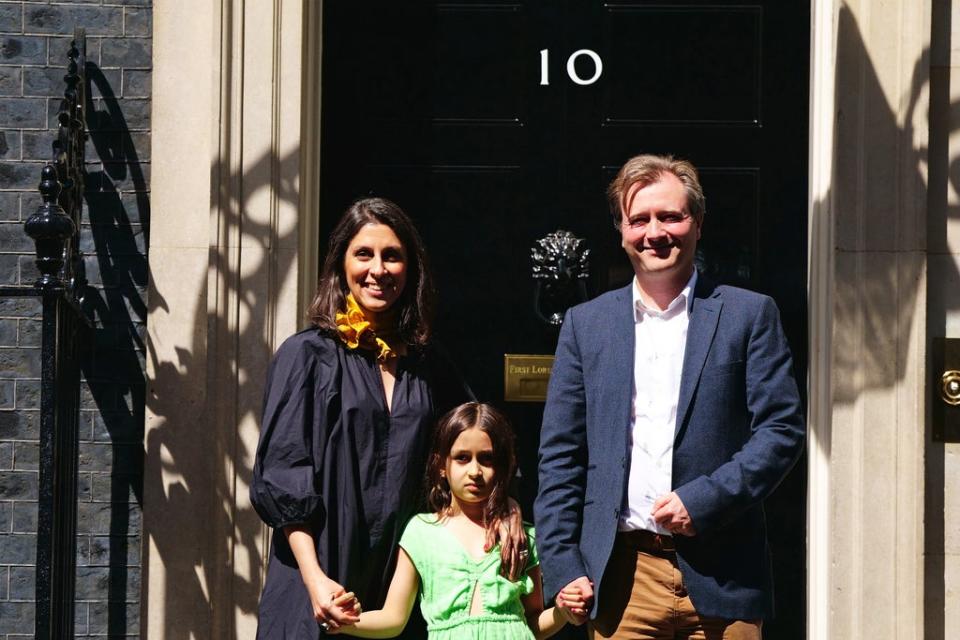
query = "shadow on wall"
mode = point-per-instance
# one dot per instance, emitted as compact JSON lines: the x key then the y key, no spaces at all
{"x":115,"y":245}
{"x":883,"y":234}
{"x":186,"y":462}
{"x":873,"y":223}
{"x":190,"y":461}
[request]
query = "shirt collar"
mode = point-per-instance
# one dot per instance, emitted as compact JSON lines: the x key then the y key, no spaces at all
{"x":686,"y":295}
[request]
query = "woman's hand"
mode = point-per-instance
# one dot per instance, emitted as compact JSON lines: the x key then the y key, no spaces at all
{"x":347,"y":602}
{"x":513,"y":543}
{"x":333,"y":606}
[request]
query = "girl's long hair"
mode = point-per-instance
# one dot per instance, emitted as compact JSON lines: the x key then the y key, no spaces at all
{"x":415,"y":307}
{"x":496,"y":425}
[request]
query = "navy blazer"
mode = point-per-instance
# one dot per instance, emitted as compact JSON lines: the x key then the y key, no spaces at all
{"x":739,"y":431}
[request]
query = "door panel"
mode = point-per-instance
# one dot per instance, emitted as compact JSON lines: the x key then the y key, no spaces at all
{"x":439,"y":107}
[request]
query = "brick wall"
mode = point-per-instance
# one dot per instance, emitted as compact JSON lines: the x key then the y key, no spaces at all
{"x":34,"y":38}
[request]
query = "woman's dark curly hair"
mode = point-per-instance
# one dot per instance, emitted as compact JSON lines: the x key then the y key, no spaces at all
{"x":473,"y":415}
{"x":415,"y":306}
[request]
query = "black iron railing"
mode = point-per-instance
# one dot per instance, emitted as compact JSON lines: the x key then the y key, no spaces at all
{"x":66,"y":330}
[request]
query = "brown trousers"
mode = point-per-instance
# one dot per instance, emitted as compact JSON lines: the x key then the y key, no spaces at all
{"x":644,"y":598}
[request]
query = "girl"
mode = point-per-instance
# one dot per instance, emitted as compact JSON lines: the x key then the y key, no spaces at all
{"x":441,"y":555}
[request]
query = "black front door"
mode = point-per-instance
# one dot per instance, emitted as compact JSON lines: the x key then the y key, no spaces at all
{"x":489,"y":124}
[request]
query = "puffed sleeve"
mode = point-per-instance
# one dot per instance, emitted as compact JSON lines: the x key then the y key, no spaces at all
{"x":293,"y":433}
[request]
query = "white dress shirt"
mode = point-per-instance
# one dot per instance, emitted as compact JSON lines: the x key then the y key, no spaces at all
{"x":661,"y":339}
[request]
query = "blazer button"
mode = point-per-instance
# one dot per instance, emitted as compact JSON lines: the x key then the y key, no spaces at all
{"x":616,"y":513}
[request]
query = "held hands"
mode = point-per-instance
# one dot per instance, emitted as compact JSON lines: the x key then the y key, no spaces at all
{"x":669,"y":513}
{"x":333,"y":606}
{"x":575,"y":599}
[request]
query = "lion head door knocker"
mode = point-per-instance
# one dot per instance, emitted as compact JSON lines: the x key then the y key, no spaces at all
{"x":561,"y":266}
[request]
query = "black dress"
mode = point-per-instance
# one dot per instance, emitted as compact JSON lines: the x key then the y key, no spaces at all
{"x":332,"y":456}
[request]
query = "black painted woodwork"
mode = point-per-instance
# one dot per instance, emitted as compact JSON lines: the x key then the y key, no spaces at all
{"x":439,"y":107}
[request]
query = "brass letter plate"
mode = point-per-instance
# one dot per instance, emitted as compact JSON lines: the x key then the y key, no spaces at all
{"x":945,"y":382}
{"x":525,"y":377}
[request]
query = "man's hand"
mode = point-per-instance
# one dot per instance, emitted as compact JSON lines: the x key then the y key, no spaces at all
{"x":575,"y":600}
{"x":669,"y":513}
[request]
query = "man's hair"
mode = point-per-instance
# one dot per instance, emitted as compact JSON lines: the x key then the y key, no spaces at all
{"x":646,"y":169}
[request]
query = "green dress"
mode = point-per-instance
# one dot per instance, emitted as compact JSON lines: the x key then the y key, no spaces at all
{"x":448,"y":576}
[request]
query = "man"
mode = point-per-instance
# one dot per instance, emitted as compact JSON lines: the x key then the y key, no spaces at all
{"x":672,"y":412}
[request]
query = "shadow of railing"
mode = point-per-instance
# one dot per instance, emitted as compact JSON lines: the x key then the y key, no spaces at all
{"x":182,"y":483}
{"x":115,"y":240}
{"x":886,"y":247}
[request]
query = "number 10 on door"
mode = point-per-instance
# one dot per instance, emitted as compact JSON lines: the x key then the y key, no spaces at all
{"x":571,"y":67}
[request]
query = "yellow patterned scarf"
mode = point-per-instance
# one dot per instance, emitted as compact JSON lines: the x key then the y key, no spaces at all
{"x":356,"y":332}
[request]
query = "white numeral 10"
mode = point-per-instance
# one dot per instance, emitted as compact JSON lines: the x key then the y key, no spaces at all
{"x":571,"y":68}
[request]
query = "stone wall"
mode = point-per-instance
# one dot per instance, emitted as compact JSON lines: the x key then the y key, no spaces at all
{"x":34,"y":38}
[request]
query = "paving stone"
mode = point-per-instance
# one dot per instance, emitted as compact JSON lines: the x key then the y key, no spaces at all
{"x":11,"y":17}
{"x":16,"y":616}
{"x":29,"y":274}
{"x":22,"y":583}
{"x":19,"y":175}
{"x":24,"y":517}
{"x":43,"y":82}
{"x":103,"y":583}
{"x":11,"y":81}
{"x":17,"y":49}
{"x":38,"y":145}
{"x":21,"y":113}
{"x":27,"y":394}
{"x":136,"y":83}
{"x":7,"y":394}
{"x":102,"y":612}
{"x":137,"y":22}
{"x":19,"y":363}
{"x":8,"y":331}
{"x":20,"y":307}
{"x":10,"y":146}
{"x":119,"y":459}
{"x":26,"y":456}
{"x":9,"y":205}
{"x":109,"y":487}
{"x":18,"y":485}
{"x":126,"y":52}
{"x":19,"y":425}
{"x":12,"y":236}
{"x":63,"y":19}
{"x":9,"y":268}
{"x":18,"y":548}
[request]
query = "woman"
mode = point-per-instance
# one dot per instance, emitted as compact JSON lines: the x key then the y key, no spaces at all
{"x":348,"y":410}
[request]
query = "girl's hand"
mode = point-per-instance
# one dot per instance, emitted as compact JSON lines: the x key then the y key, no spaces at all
{"x":347,"y":602}
{"x":332,"y":606}
{"x":572,"y":603}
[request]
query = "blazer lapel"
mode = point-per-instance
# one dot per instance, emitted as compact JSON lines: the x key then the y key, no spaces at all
{"x":704,"y":315}
{"x":618,"y":373}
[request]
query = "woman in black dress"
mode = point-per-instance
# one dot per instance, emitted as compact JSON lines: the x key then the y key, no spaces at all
{"x":349,"y":407}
